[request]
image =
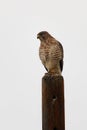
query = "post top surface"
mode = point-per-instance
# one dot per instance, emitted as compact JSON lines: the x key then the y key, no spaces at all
{"x":52,"y":77}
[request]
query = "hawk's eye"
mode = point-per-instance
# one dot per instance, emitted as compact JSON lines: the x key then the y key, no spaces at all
{"x":43,"y":35}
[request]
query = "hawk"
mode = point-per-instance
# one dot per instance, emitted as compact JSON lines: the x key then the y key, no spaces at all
{"x":50,"y":53}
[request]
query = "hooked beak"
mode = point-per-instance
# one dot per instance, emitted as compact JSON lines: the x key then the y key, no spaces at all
{"x":37,"y":36}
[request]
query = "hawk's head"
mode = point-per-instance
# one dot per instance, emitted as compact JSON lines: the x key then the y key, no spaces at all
{"x":43,"y":36}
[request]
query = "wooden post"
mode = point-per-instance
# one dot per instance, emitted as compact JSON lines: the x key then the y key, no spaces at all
{"x":53,"y":103}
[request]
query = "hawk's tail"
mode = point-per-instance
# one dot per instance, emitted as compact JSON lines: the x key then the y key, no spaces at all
{"x":61,"y":65}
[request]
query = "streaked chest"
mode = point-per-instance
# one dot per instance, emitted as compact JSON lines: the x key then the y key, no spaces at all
{"x":44,"y":51}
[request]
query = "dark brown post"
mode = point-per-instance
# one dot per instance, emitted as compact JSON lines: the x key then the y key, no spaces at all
{"x":53,"y":103}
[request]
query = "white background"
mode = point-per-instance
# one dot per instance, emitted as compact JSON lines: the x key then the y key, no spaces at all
{"x":21,"y":70}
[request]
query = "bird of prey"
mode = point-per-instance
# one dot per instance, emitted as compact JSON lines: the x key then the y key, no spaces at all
{"x":50,"y":53}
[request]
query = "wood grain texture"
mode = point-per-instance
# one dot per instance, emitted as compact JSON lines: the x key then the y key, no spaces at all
{"x":53,"y":117}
